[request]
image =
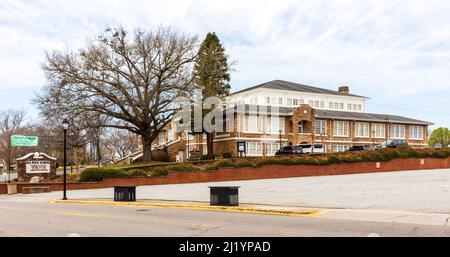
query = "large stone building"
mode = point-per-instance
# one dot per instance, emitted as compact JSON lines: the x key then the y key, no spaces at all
{"x":284,"y":113}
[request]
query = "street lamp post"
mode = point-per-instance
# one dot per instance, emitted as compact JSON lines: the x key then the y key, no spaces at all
{"x":65,"y":125}
{"x":280,"y":137}
{"x":373,"y":138}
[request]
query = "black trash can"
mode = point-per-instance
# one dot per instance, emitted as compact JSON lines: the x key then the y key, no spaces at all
{"x":224,"y":196}
{"x":125,"y":194}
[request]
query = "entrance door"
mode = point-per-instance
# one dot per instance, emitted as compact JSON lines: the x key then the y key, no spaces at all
{"x":180,"y":156}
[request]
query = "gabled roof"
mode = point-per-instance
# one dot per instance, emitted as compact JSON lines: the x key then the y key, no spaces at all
{"x":374,"y":117}
{"x":291,"y":86}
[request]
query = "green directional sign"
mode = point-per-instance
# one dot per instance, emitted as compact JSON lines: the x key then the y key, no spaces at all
{"x":17,"y":140}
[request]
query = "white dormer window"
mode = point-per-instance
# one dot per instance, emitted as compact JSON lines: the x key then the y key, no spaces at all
{"x":289,"y":101}
{"x":267,"y":100}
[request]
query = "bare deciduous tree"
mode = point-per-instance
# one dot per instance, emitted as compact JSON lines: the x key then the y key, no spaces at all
{"x":121,"y":143}
{"x":133,"y":82}
{"x":11,"y":121}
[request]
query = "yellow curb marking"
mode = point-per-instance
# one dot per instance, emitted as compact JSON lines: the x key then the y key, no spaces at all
{"x":82,"y":214}
{"x":197,"y":207}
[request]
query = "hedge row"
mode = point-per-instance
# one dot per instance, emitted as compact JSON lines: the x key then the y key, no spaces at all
{"x":98,"y":174}
{"x":382,"y":155}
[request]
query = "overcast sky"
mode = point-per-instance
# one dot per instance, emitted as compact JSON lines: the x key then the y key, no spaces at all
{"x":395,"y":52}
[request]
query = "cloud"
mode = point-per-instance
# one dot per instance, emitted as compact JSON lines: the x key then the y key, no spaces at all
{"x":393,"y":51}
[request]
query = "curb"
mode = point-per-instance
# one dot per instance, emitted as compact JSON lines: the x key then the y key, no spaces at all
{"x":196,"y":207}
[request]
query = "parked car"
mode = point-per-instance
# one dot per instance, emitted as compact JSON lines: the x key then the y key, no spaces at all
{"x":289,"y":150}
{"x":360,"y":148}
{"x":394,"y":143}
{"x":308,"y":148}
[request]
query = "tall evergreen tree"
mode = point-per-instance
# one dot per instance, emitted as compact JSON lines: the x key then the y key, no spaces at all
{"x":212,"y":75}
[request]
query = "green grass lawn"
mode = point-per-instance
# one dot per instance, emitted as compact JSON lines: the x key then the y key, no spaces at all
{"x":74,"y":167}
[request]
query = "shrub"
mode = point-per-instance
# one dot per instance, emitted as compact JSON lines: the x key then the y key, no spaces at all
{"x":182,"y":167}
{"x":221,"y":164}
{"x":98,"y":174}
{"x":159,"y":172}
{"x":137,"y":173}
{"x":243,"y":164}
{"x":227,"y":155}
{"x":276,"y":161}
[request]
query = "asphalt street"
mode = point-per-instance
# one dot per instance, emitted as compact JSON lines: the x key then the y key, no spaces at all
{"x":409,"y":203}
{"x":49,"y":219}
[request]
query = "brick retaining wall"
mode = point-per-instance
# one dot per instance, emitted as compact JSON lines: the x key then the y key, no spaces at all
{"x":284,"y":171}
{"x":3,"y":189}
{"x":264,"y":172}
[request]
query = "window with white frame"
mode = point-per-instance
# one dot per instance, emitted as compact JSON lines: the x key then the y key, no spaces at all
{"x":361,"y":129}
{"x":379,"y":129}
{"x":330,"y":105}
{"x":311,"y":103}
{"x":354,"y":107}
{"x":416,"y":132}
{"x":161,"y":138}
{"x":341,"y":148}
{"x":170,"y":135}
{"x":322,"y":104}
{"x":321,"y":127}
{"x":254,"y":100}
{"x":272,"y":148}
{"x":267,"y":100}
{"x":281,"y":124}
{"x":341,"y":106}
{"x":274,"y":125}
{"x":273,"y":100}
{"x":349,"y":106}
{"x":336,"y":105}
{"x":289,"y":101}
{"x":316,"y":104}
{"x":359,"y":107}
{"x":280,"y":101}
{"x":295,"y":102}
{"x":340,"y":128}
{"x":254,"y":149}
{"x":397,"y":131}
{"x":252,"y":124}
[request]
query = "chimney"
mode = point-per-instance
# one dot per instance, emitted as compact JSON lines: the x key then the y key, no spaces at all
{"x":344,"y":90}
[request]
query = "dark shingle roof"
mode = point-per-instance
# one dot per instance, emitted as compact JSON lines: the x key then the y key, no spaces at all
{"x":291,"y":86}
{"x":362,"y":116}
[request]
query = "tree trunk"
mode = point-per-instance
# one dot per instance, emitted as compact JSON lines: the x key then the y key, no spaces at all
{"x":210,"y":145}
{"x":147,"y":147}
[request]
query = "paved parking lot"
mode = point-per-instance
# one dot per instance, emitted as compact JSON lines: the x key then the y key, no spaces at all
{"x":414,"y":191}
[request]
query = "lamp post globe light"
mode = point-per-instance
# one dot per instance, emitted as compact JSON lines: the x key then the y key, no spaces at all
{"x":65,"y":125}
